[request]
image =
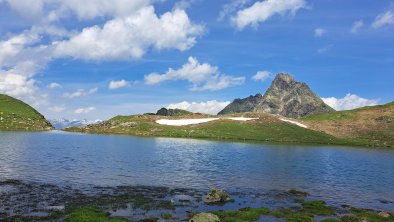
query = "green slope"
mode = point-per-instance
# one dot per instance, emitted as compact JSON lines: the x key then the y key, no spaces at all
{"x":373,"y":125}
{"x":19,"y":116}
{"x":266,"y":129}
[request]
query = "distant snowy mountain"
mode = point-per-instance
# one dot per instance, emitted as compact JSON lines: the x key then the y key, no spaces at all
{"x":64,"y":123}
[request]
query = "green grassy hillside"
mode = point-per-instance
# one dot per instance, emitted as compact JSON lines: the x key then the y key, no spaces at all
{"x":368,"y":126}
{"x":372,"y":125}
{"x":17,"y":115}
{"x":266,"y":129}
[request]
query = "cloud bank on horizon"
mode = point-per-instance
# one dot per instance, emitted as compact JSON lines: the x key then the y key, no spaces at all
{"x":66,"y":57}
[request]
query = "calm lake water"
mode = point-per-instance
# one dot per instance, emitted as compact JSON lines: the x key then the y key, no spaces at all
{"x":356,"y":176}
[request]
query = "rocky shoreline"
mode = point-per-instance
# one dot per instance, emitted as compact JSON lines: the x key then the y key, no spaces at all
{"x":26,"y":201}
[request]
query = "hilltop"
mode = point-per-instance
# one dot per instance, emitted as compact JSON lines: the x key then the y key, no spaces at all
{"x":172,"y":112}
{"x":285,"y":97}
{"x":17,"y":115}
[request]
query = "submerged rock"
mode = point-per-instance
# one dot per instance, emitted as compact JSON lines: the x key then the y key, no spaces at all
{"x":215,"y":196}
{"x":298,"y":193}
{"x":205,"y":217}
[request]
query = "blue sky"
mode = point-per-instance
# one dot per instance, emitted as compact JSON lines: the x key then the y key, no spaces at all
{"x":61,"y":56}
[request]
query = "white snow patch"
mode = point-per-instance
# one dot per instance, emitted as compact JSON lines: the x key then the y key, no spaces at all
{"x":183,"y":122}
{"x":294,"y":122}
{"x":242,"y":118}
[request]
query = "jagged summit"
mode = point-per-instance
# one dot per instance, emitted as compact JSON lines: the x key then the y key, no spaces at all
{"x":285,"y":97}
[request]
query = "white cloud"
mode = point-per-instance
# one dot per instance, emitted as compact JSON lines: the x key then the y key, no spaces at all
{"x":209,"y":107}
{"x":261,"y":76}
{"x":386,"y":18}
{"x":24,"y":54}
{"x":80,"y":93}
{"x":350,"y":101}
{"x":202,"y":76}
{"x":56,"y":109}
{"x":84,"y":110}
{"x":263,"y":10}
{"x":231,"y":7}
{"x":319,"y":32}
{"x":54,"y":85}
{"x":21,"y":57}
{"x":118,"y":84}
{"x":356,"y":26}
{"x":16,"y":85}
{"x":132,"y":36}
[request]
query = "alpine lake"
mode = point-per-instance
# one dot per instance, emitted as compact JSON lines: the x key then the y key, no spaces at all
{"x":46,"y":175}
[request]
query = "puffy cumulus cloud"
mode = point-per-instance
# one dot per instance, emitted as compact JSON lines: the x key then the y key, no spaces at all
{"x":356,"y":26}
{"x":262,"y":76}
{"x":21,"y":57}
{"x":118,"y":84}
{"x":16,"y":85}
{"x":54,"y":85}
{"x":350,"y":101}
{"x":319,"y":32}
{"x":56,"y":109}
{"x":263,"y":10}
{"x":202,"y":76}
{"x":17,"y":81}
{"x":130,"y":37}
{"x":84,"y":110}
{"x":80,"y":93}
{"x":386,"y":18}
{"x":209,"y":107}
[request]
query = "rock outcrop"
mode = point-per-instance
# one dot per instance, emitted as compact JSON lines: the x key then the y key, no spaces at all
{"x":172,"y":112}
{"x":285,"y":97}
{"x":217,"y":196}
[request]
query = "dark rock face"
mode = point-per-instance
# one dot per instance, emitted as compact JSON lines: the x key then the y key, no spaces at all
{"x":172,"y":112}
{"x":242,"y":105}
{"x":285,"y":97}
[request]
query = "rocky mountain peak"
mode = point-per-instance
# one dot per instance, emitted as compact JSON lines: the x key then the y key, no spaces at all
{"x":284,"y":77}
{"x":285,"y":97}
